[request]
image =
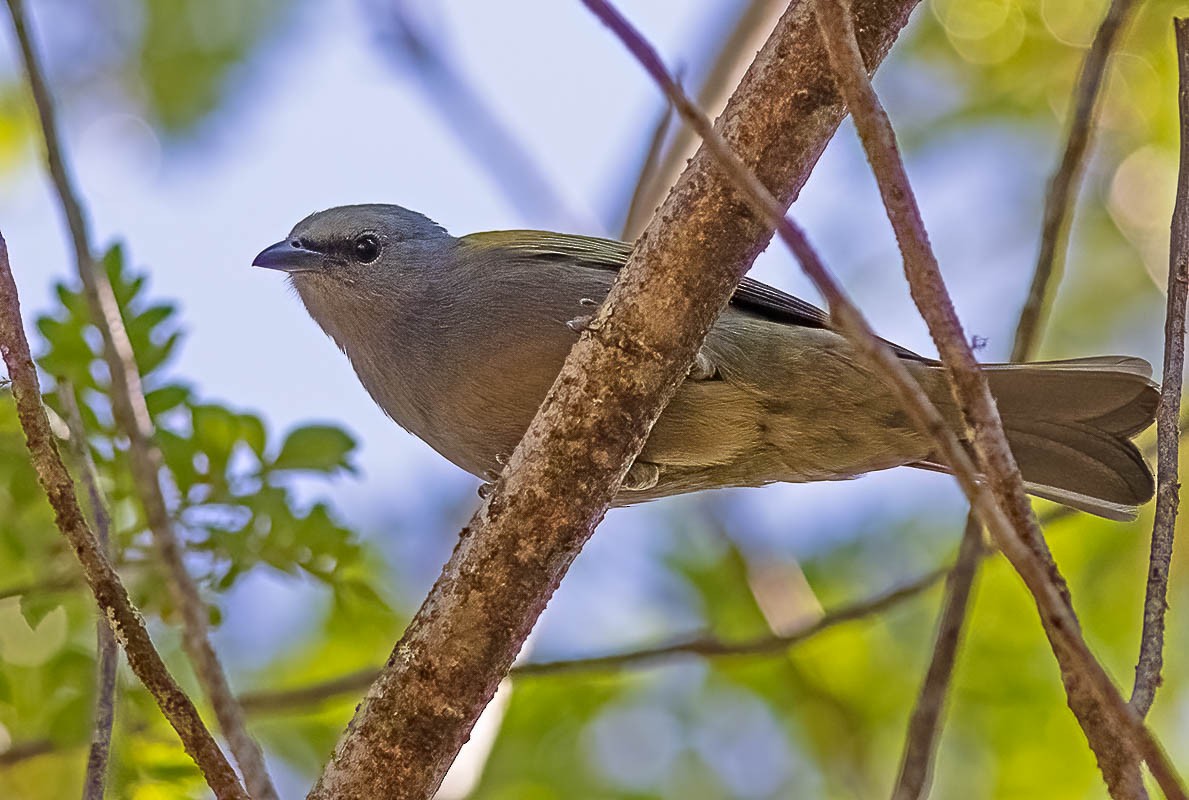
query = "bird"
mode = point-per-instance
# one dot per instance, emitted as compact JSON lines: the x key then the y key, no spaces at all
{"x":458,"y":340}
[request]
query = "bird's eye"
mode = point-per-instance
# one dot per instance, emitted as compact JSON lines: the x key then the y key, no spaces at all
{"x":367,"y":248}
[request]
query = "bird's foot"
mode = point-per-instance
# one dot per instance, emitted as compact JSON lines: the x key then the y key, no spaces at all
{"x":640,"y":477}
{"x":580,"y":323}
{"x":703,"y":368}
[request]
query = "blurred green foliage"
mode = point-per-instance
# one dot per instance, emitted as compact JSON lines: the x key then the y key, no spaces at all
{"x":827,"y":719}
{"x":233,"y":500}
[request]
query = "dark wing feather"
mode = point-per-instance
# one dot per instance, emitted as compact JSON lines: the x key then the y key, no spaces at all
{"x":751,"y":295}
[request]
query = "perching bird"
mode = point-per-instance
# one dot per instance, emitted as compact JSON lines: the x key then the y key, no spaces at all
{"x":459,"y":339}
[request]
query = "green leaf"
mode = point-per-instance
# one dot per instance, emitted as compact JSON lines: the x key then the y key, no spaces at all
{"x":317,"y":448}
{"x":35,"y":606}
{"x":167,"y":398}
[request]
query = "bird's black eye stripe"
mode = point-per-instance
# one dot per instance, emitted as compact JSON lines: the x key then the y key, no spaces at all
{"x":366,"y":248}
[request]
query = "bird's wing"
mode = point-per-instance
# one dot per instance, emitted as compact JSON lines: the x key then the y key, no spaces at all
{"x":751,"y":295}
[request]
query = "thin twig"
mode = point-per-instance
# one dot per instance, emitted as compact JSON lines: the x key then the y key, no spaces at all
{"x":132,"y":416}
{"x":733,"y":51}
{"x":646,"y":173}
{"x":95,"y":781}
{"x":109,"y":592}
{"x":1059,"y":201}
{"x":924,"y":727}
{"x":1114,"y":731}
{"x":711,"y":647}
{"x":1168,"y":433}
{"x":1040,"y":577}
{"x":286,"y":699}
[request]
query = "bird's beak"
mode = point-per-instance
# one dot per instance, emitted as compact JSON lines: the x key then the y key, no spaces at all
{"x":288,"y":256}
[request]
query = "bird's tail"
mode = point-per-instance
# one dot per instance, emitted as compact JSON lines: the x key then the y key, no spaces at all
{"x":1070,"y":423}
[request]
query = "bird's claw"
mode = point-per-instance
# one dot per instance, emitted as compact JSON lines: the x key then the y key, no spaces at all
{"x":579,"y":324}
{"x":703,"y":368}
{"x":640,"y":477}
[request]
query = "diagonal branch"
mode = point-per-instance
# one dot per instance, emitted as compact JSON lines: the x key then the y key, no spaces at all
{"x":105,"y":584}
{"x":1059,"y":201}
{"x":1114,"y":731}
{"x":924,"y":725}
{"x":1168,"y":433}
{"x":132,"y":417}
{"x":924,"y":730}
{"x":1040,"y":576}
{"x":617,"y":379}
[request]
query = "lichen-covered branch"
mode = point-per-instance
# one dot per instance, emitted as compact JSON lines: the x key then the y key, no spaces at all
{"x":616,"y":381}
{"x":132,"y":416}
{"x":1168,"y":430}
{"x":105,"y":584}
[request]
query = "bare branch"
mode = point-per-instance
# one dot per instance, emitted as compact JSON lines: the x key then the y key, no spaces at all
{"x":1168,"y":433}
{"x":1040,"y":576}
{"x":95,"y":780}
{"x":1114,"y":731}
{"x":710,"y":647}
{"x":105,"y":584}
{"x":132,"y":416}
{"x":1059,"y":201}
{"x":647,"y":173}
{"x":924,"y":726}
{"x":733,"y":52}
{"x":613,"y":386}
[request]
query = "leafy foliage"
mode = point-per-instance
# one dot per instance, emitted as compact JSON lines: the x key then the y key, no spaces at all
{"x":232,"y":485}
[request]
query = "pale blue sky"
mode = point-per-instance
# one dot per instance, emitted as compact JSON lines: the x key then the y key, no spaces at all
{"x":320,"y":117}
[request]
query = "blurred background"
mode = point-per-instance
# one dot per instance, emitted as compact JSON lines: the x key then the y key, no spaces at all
{"x":201,"y":130}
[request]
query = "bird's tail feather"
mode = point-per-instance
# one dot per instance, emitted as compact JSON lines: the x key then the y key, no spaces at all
{"x":1069,"y":424}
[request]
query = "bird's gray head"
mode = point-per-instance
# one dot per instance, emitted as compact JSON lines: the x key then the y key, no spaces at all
{"x":349,"y":244}
{"x":358,"y":269}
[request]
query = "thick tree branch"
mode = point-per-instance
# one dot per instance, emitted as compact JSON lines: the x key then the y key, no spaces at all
{"x":594,"y":421}
{"x":924,"y":728}
{"x":105,"y":584}
{"x":95,"y":780}
{"x":1114,"y":731}
{"x":1168,"y":433}
{"x":132,"y":416}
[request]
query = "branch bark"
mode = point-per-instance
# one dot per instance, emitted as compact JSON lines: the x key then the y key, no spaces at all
{"x":109,"y":592}
{"x":1113,"y":729}
{"x":132,"y":416}
{"x":594,"y":421}
{"x":1168,"y":433}
{"x":924,"y":729}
